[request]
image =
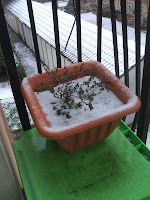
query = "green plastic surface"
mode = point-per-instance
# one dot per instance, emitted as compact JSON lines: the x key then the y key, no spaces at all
{"x":111,"y":170}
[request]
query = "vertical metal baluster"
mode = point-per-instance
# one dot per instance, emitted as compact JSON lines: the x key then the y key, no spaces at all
{"x":56,"y":31}
{"x":36,"y":48}
{"x":114,"y":32}
{"x":125,"y":41}
{"x":78,"y":23}
{"x":144,"y":114}
{"x":138,"y":50}
{"x":99,"y":30}
{"x":12,"y":71}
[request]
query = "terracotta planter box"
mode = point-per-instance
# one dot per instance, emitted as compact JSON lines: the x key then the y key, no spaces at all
{"x":89,"y":133}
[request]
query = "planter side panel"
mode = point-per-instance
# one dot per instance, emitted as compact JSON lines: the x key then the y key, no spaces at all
{"x":87,"y":138}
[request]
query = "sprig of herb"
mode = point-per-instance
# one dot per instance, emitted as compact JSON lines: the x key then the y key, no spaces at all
{"x":67,"y":92}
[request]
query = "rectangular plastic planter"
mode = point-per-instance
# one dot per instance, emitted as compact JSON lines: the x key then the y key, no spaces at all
{"x":86,"y":134}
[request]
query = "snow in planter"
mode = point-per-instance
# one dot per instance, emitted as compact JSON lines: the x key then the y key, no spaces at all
{"x":104,"y":103}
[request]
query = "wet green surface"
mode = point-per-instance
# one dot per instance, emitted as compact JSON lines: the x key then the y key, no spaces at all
{"x":131,"y":140}
{"x":111,"y":170}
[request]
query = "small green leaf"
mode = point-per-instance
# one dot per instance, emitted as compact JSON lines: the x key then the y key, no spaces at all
{"x":68,"y":115}
{"x":58,"y":112}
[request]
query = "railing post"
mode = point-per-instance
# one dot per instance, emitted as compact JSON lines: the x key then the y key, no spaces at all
{"x":99,"y":30}
{"x":56,"y":31}
{"x":138,"y":50}
{"x":144,"y":115}
{"x":125,"y":40}
{"x":78,"y":24}
{"x":114,"y":33}
{"x":36,"y":48}
{"x":12,"y":71}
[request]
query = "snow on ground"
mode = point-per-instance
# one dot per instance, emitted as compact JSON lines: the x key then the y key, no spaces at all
{"x":5,"y":90}
{"x":106,"y":24}
{"x":61,"y":4}
{"x":148,"y":138}
{"x":28,"y":60}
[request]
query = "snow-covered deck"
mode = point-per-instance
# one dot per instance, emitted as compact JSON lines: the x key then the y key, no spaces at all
{"x":44,"y":27}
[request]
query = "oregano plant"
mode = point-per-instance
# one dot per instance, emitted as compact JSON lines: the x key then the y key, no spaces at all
{"x":71,"y":95}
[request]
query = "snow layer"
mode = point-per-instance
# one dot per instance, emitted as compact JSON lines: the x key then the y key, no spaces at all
{"x":105,"y":103}
{"x":5,"y":90}
{"x":106,"y":24}
{"x":44,"y":28}
{"x":148,"y":138}
{"x":28,"y":60}
{"x":61,"y":4}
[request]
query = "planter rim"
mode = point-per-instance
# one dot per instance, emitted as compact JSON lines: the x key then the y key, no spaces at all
{"x":39,"y":117}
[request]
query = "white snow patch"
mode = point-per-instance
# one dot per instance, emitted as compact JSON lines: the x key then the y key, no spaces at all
{"x":44,"y":29}
{"x":61,"y":4}
{"x":148,"y":138}
{"x":5,"y":90}
{"x":106,"y":24}
{"x":28,"y":59}
{"x":48,"y":4}
{"x":105,"y":103}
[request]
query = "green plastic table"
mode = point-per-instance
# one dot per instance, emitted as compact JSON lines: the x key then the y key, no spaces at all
{"x":116,"y":169}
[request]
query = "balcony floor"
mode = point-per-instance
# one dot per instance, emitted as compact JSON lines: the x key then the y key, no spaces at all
{"x":113,"y":169}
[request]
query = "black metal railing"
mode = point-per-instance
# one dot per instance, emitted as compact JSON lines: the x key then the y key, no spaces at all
{"x":138,"y":50}
{"x":141,"y":120}
{"x":56,"y":30}
{"x":114,"y":32}
{"x":12,"y":71}
{"x":36,"y":48}
{"x":99,"y":30}
{"x":144,"y":114}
